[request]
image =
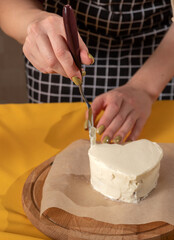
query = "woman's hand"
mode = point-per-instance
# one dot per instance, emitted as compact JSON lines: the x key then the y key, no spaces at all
{"x":46,"y":48}
{"x":126,"y":111}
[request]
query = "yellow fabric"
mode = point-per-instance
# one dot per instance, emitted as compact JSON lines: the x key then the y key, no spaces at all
{"x":32,"y":133}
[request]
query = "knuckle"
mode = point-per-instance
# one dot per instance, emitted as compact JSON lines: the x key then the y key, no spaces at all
{"x":120,"y":117}
{"x":38,"y":67}
{"x":131,"y":101}
{"x":135,"y":135}
{"x":98,"y":98}
{"x":123,"y":133}
{"x":131,"y":122}
{"x":41,"y":69}
{"x":60,"y":52}
{"x":33,"y":28}
{"x":53,"y":21}
{"x":110,"y":132}
{"x":120,"y":94}
{"x":116,"y":106}
{"x":132,"y":119}
{"x":51,"y":61}
{"x":50,"y":20}
{"x":48,"y":70}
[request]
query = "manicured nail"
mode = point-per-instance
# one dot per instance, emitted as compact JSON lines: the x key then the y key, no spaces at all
{"x":100,"y":129}
{"x":77,"y":81}
{"x":106,"y":139}
{"x":86,"y":125}
{"x":83,"y":73}
{"x":117,"y":139}
{"x":91,"y":57}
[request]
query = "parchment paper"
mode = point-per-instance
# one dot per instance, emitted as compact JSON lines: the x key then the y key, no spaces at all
{"x":67,"y":187}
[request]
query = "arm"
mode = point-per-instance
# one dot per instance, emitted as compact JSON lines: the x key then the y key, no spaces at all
{"x":133,"y":101}
{"x":43,"y":37}
{"x":158,"y":70}
{"x":16,"y":15}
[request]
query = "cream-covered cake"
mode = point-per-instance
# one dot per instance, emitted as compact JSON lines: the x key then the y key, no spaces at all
{"x":125,"y":172}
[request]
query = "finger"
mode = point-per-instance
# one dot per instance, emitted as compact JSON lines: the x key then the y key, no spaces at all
{"x":46,"y":52}
{"x":83,"y":51}
{"x":86,"y":58}
{"x":82,"y":45}
{"x":34,"y":55}
{"x":97,"y":105}
{"x":122,"y":113}
{"x":136,"y":129}
{"x":108,"y":116}
{"x":63,"y":55}
{"x":125,"y":128}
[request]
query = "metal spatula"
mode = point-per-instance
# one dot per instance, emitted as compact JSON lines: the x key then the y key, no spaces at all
{"x":73,"y":44}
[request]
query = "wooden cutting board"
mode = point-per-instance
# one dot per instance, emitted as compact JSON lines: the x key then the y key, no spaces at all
{"x":61,"y":225}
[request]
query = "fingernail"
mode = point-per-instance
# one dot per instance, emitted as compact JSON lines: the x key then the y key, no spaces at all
{"x":106,"y":139}
{"x":117,"y":139}
{"x":86,"y":125}
{"x":83,"y":73}
{"x":77,"y":81}
{"x":91,"y":57}
{"x":100,"y":129}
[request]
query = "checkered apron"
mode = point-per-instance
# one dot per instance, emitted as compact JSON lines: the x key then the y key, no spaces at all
{"x":121,"y":35}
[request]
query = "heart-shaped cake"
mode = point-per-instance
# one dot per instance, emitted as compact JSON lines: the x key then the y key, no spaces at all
{"x":126,"y":172}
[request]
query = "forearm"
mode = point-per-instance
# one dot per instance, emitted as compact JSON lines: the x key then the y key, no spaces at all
{"x":15,"y":15}
{"x":158,"y":70}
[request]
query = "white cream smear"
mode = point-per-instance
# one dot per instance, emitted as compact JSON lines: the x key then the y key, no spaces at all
{"x":126,"y":172}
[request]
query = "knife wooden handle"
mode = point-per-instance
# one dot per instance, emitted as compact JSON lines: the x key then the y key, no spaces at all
{"x":72,"y":34}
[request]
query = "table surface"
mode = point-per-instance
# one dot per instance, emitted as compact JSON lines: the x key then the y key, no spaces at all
{"x":32,"y":133}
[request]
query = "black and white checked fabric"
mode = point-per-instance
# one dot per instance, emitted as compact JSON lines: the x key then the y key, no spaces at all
{"x":121,"y":35}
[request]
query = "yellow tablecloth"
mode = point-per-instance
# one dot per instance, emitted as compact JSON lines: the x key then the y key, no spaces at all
{"x":32,"y":133}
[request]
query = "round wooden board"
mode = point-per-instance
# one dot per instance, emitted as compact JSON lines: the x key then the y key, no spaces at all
{"x":61,"y":225}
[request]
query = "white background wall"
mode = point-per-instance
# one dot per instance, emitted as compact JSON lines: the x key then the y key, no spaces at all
{"x":12,"y":71}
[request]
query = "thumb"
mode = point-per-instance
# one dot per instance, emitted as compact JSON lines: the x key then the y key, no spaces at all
{"x":97,"y":105}
{"x":85,"y":56}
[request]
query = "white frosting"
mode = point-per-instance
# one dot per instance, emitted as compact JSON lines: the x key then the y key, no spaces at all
{"x":92,"y":135}
{"x":125,"y":172}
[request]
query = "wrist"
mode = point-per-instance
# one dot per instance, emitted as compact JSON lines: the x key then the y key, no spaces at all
{"x":145,"y":86}
{"x":15,"y":16}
